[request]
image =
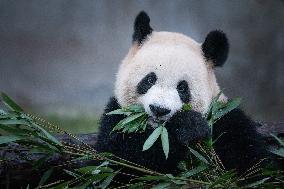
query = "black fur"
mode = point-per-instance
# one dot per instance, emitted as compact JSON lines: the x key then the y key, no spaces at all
{"x":184,"y":128}
{"x":142,"y":27}
{"x":239,"y":148}
{"x":158,"y":110}
{"x":216,"y":48}
{"x":146,"y":83}
{"x":183,"y":91}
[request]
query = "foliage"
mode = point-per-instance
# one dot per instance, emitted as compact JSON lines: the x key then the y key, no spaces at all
{"x":278,"y":151}
{"x":203,"y":168}
{"x":135,"y":121}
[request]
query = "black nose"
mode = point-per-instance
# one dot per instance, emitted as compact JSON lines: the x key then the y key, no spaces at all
{"x":159,"y":111}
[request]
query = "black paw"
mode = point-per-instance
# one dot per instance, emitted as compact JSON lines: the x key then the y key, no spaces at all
{"x":189,"y":127}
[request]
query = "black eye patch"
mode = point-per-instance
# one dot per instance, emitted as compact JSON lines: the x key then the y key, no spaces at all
{"x":146,"y":83}
{"x":183,"y":91}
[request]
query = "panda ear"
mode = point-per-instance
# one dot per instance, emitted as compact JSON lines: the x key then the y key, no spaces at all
{"x":216,"y":48}
{"x":142,"y":27}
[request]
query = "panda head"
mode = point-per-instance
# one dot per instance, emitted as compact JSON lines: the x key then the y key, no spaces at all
{"x":164,"y":70}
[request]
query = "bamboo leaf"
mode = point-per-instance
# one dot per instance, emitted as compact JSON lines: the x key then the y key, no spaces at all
{"x":118,"y":112}
{"x":71,"y":173}
{"x":118,"y":126}
{"x":161,"y":185}
{"x":223,"y":179}
{"x":107,"y":181}
{"x":279,"y":152}
{"x":198,"y":155}
{"x":152,"y":138}
{"x":281,"y":142}
{"x":257,"y":183}
{"x":13,"y":122}
{"x":165,"y":141}
{"x":195,"y":171}
{"x":138,"y":185}
{"x":186,"y":107}
{"x":8,"y":139}
{"x":10,"y":103}
{"x":135,"y":108}
{"x":45,"y":176}
{"x":132,"y":118}
{"x":227,"y":107}
{"x":152,"y":178}
{"x":46,"y":133}
{"x":63,"y":185}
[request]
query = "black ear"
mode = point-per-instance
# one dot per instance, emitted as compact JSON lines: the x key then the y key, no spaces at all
{"x":216,"y":47}
{"x":142,"y":27}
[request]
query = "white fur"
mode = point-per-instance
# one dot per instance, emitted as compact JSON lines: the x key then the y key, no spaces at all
{"x":172,"y":57}
{"x":163,"y":97}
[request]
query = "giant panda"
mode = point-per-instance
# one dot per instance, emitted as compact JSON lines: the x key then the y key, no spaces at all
{"x":162,"y":71}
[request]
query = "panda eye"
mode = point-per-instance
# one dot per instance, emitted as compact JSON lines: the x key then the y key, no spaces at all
{"x":151,"y":80}
{"x":183,"y":91}
{"x":182,"y":86}
{"x":146,"y":83}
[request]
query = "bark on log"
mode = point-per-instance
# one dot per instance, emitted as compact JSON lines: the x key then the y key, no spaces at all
{"x":18,"y":173}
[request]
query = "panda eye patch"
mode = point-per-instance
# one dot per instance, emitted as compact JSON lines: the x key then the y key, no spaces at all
{"x":183,"y":91}
{"x":146,"y":83}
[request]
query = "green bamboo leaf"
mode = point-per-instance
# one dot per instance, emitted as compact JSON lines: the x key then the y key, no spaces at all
{"x":134,"y":127}
{"x":94,"y":169}
{"x":132,"y":118}
{"x":63,"y":185}
{"x":71,"y":173}
{"x":45,"y":176}
{"x":13,"y":122}
{"x":11,"y":129}
{"x":106,"y":154}
{"x":279,"y":152}
{"x":165,"y":141}
{"x":195,"y":171}
{"x":152,"y":178}
{"x":213,"y":102}
{"x":257,"y":183}
{"x":281,"y":142}
{"x":135,"y":108}
{"x":198,"y":155}
{"x":229,"y":106}
{"x":39,"y":163}
{"x":107,"y":181}
{"x":5,"y":115}
{"x":118,"y":126}
{"x":161,"y":185}
{"x":144,"y":124}
{"x":119,"y":112}
{"x":152,"y":138}
{"x":10,"y":103}
{"x":138,"y":185}
{"x":223,"y":179}
{"x":186,"y":107}
{"x":131,"y":123}
{"x":46,"y":134}
{"x":8,"y":139}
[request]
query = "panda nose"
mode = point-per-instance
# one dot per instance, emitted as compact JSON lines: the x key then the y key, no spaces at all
{"x":159,"y":111}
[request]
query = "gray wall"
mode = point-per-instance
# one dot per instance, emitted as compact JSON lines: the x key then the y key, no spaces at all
{"x":62,"y":56}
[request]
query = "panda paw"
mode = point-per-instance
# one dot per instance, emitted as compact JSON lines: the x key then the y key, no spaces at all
{"x":189,"y":127}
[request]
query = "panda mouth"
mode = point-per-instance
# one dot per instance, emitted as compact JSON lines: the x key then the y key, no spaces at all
{"x":155,"y":122}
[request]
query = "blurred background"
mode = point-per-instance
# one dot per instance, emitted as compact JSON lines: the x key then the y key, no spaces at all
{"x":58,"y":58}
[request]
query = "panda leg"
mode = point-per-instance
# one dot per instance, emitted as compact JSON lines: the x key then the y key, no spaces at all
{"x":239,"y":146}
